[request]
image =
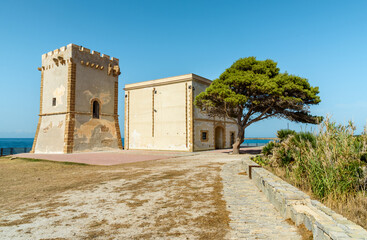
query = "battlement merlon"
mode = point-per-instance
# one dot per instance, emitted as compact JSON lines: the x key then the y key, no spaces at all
{"x":73,"y":50}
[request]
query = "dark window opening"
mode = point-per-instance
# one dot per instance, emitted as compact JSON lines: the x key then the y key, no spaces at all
{"x":95,"y":109}
{"x":53,"y":101}
{"x":204,"y":136}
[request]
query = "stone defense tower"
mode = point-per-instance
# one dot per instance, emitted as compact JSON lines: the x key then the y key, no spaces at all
{"x":78,"y":103}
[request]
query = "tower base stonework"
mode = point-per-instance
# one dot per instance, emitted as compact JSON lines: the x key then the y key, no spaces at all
{"x":78,"y":102}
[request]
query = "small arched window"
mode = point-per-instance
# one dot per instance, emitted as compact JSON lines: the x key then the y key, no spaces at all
{"x":95,"y":109}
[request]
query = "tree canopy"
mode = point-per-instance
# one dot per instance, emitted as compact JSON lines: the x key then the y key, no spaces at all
{"x":252,"y":90}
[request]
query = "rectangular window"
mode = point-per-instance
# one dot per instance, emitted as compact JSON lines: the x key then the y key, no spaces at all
{"x":204,"y":136}
{"x":53,"y":101}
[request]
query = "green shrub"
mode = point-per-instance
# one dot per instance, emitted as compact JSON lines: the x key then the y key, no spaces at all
{"x":284,"y":134}
{"x":286,"y":157}
{"x":304,"y":137}
{"x":262,"y":161}
{"x":329,"y":163}
{"x":363,"y":157}
{"x":268,"y":148}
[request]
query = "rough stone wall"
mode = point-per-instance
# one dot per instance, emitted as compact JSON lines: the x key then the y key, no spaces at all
{"x":50,"y":133}
{"x":292,"y":203}
{"x":95,"y":134}
{"x":208,"y":127}
{"x":75,"y":76}
{"x":202,"y":122}
{"x":230,"y":127}
{"x":95,"y":81}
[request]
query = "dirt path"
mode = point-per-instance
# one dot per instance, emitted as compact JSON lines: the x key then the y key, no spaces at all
{"x":178,"y":198}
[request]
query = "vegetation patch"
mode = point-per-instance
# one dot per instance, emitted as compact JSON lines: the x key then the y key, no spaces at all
{"x":302,"y":230}
{"x":329,"y":165}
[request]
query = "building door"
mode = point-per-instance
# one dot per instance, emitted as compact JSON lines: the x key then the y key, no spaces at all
{"x":219,"y":138}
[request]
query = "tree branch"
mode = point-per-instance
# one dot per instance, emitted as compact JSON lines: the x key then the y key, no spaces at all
{"x":225,"y":109}
{"x":248,"y":115}
{"x":260,"y":117}
{"x":256,"y":119}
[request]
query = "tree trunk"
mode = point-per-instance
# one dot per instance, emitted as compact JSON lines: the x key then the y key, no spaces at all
{"x":239,"y":140}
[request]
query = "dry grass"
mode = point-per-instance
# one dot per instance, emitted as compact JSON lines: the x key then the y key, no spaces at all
{"x":27,"y":218}
{"x":218,"y":220}
{"x":330,"y":163}
{"x":30,"y":181}
{"x":53,"y":239}
{"x":213,"y":225}
{"x":353,"y":207}
{"x":83,"y":215}
{"x":302,"y":230}
{"x":195,"y":203}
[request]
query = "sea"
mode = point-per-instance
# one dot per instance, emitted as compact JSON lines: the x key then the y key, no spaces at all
{"x":16,"y":142}
{"x":28,"y":142}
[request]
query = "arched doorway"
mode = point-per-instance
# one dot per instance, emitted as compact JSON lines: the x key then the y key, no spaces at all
{"x":219,"y":137}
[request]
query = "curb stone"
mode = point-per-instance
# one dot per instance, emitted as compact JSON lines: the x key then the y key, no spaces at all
{"x":251,"y":215}
{"x":294,"y":204}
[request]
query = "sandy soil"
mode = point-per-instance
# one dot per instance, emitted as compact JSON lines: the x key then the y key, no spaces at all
{"x":178,"y":198}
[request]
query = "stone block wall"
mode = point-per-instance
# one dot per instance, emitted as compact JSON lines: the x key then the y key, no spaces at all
{"x":294,"y":204}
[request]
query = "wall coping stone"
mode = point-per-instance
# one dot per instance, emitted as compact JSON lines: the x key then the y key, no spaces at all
{"x":294,"y":204}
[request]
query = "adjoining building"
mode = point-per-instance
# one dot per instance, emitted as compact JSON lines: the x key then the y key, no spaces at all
{"x":160,"y":115}
{"x":78,"y":103}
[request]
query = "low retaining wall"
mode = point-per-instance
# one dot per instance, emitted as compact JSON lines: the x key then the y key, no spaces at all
{"x":294,"y":204}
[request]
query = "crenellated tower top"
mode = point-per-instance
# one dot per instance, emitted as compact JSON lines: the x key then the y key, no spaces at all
{"x":73,"y":53}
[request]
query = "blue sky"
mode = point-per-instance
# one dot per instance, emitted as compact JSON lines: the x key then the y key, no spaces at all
{"x":323,"y":41}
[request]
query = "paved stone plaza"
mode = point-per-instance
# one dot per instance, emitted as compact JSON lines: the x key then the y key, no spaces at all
{"x":252,"y":216}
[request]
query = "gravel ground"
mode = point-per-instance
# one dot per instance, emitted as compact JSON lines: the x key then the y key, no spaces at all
{"x":179,"y":198}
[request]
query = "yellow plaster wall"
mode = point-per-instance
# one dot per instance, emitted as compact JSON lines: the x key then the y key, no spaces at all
{"x":162,"y":126}
{"x":170,"y":117}
{"x":140,"y":118}
{"x":51,"y":134}
{"x":55,"y":86}
{"x":174,"y":123}
{"x":92,"y":82}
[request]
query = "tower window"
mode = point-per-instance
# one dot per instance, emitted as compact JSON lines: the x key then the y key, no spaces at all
{"x":95,"y":109}
{"x":54,"y":101}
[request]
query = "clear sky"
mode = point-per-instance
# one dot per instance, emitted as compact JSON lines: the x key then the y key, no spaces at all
{"x":323,"y":41}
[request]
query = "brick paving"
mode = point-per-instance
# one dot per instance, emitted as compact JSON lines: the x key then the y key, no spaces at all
{"x":123,"y":156}
{"x":104,"y":158}
{"x":252,"y":215}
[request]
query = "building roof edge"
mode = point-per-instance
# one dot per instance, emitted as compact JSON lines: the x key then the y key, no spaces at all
{"x":168,"y":80}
